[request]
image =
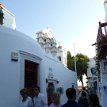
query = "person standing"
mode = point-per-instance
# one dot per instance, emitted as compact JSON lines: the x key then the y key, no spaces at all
{"x":55,"y":100}
{"x":71,"y":95}
{"x":93,"y":100}
{"x":39,"y":99}
{"x":25,"y":101}
{"x":80,"y":94}
{"x":83,"y":100}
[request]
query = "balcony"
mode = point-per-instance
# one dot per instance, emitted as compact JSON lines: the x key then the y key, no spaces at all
{"x":102,"y":41}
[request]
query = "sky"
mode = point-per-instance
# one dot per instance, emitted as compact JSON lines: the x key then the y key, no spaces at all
{"x":74,"y":23}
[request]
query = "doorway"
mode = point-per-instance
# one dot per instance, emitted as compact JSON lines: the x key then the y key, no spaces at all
{"x":50,"y":91}
{"x":31,"y":76}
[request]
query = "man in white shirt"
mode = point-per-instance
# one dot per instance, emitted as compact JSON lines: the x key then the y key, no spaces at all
{"x":39,"y":99}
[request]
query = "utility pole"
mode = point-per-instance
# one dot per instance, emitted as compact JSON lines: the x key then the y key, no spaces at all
{"x":75,"y":59}
{"x":75,"y":68}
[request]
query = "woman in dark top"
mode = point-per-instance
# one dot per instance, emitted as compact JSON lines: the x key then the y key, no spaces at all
{"x":83,"y":100}
{"x":93,"y":100}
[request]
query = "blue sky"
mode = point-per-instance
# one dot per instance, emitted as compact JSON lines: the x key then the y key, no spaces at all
{"x":71,"y":21}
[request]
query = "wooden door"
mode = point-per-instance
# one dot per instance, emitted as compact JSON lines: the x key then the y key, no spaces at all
{"x":31,"y":75}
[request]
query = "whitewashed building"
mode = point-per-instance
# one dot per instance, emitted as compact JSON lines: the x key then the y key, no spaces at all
{"x":47,"y":41}
{"x":24,"y":63}
{"x":92,"y":75}
{"x":101,"y":44}
{"x":9,"y":18}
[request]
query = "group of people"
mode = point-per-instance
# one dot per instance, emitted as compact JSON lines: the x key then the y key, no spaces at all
{"x":85,"y":100}
{"x":38,"y":100}
{"x":88,"y":99}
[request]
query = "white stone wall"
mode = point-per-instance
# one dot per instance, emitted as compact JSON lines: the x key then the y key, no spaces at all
{"x":12,"y":72}
{"x":103,"y":84}
{"x":91,"y":64}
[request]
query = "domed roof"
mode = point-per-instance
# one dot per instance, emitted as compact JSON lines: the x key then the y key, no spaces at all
{"x":14,"y":40}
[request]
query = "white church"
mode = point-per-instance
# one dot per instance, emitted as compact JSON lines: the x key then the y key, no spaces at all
{"x":25,"y":61}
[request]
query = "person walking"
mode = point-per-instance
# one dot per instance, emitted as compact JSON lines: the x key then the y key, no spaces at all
{"x":83,"y":100}
{"x":93,"y":100}
{"x":80,"y":93}
{"x":71,"y":95}
{"x":55,"y":100}
{"x":25,"y":100}
{"x":39,"y":99}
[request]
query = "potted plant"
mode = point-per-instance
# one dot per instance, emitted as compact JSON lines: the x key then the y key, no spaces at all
{"x":1,"y":16}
